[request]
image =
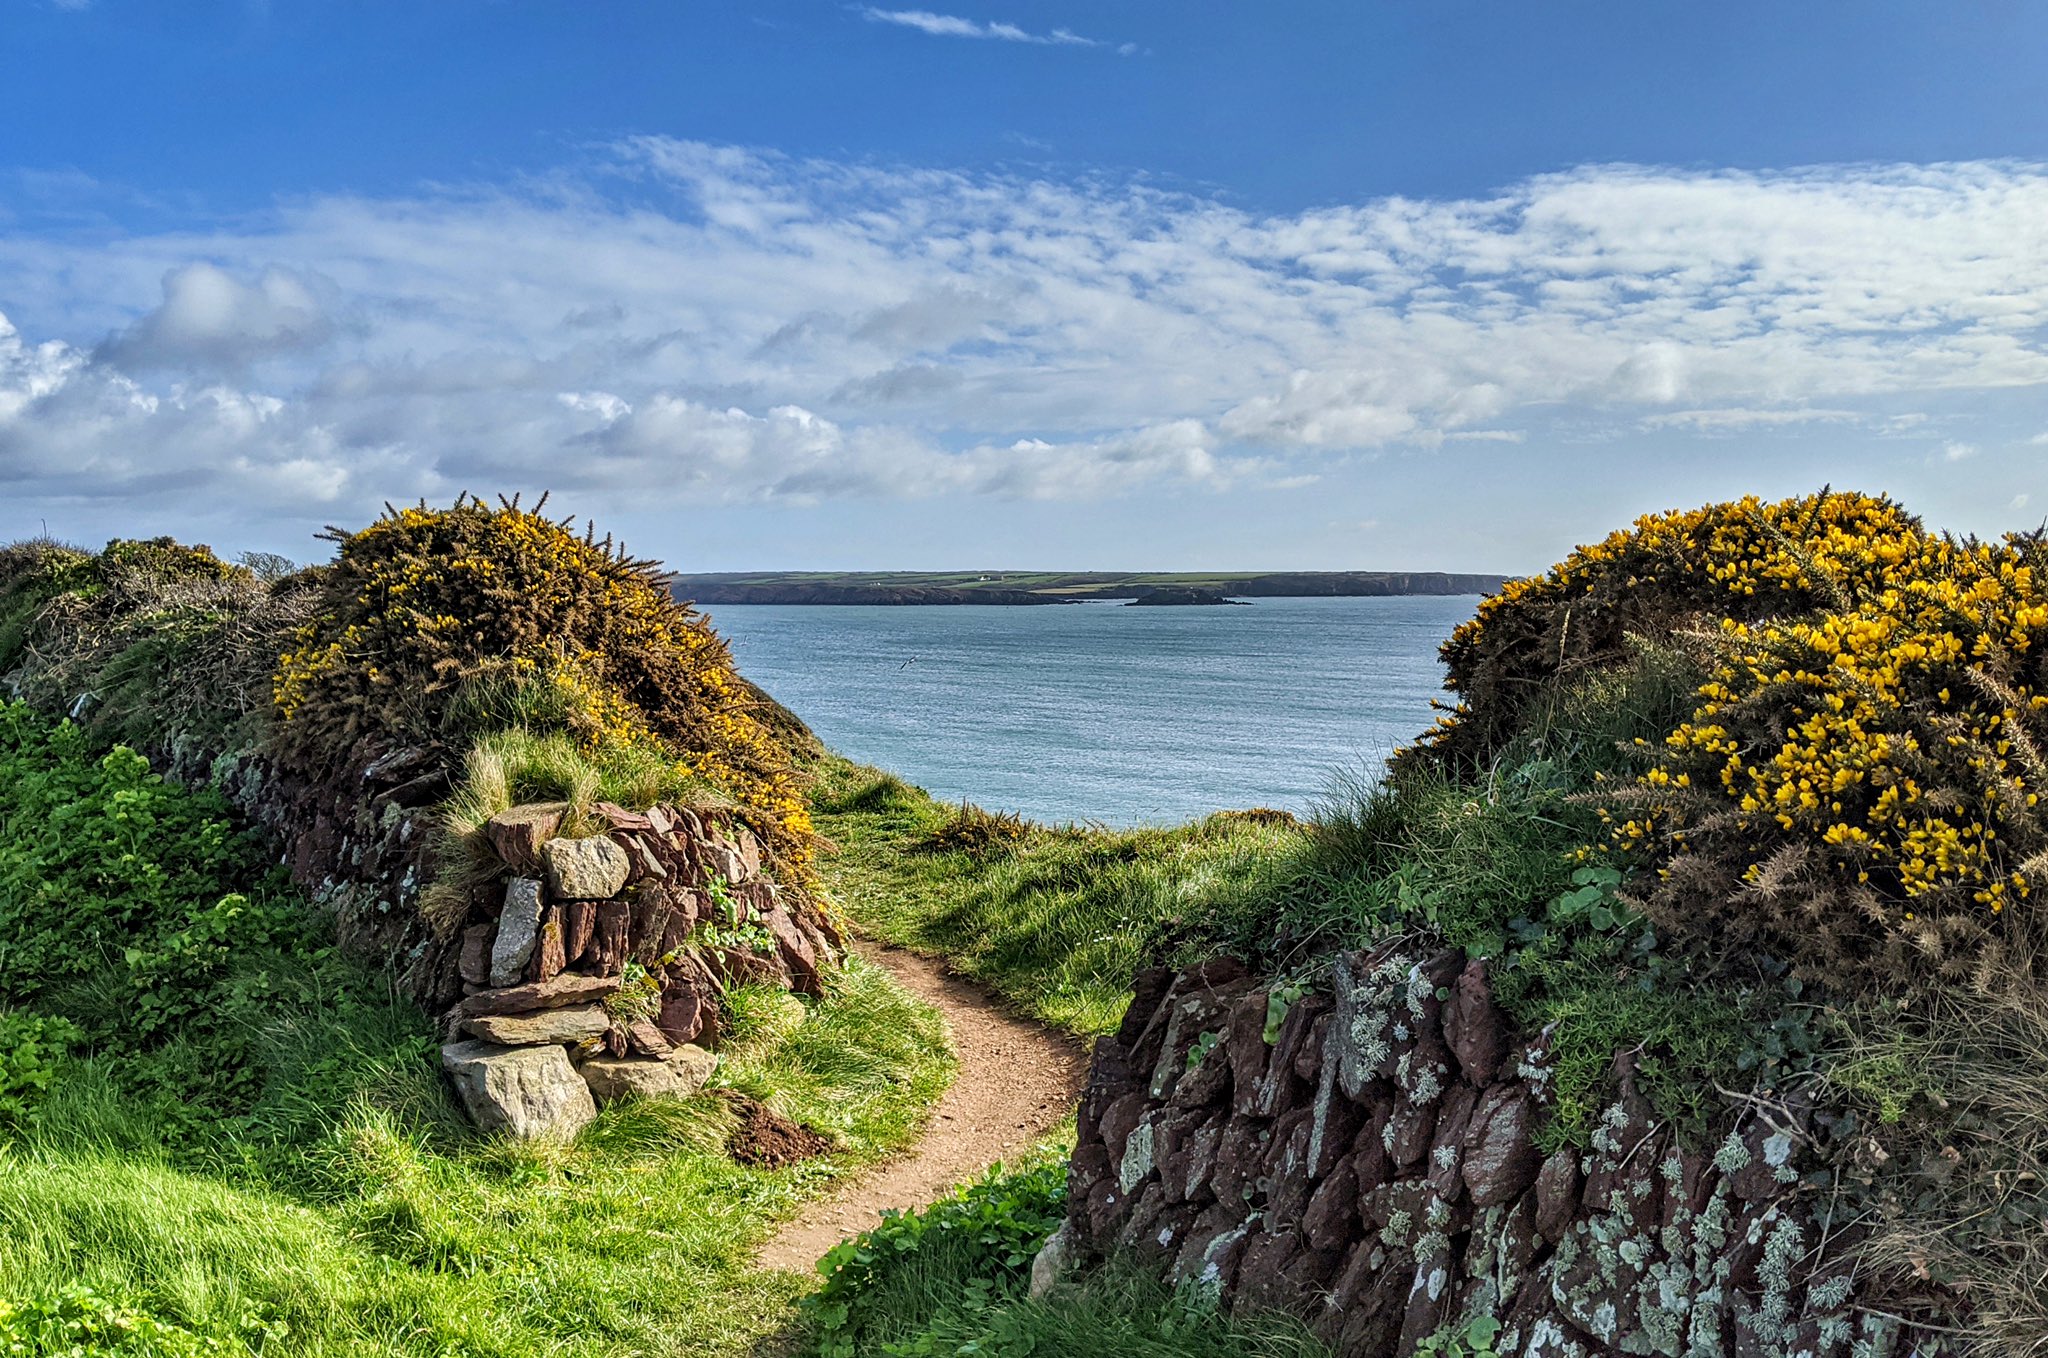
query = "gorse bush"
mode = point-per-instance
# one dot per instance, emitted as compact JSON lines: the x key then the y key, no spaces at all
{"x":1746,"y":560}
{"x":458,"y":621}
{"x":1859,"y":788}
{"x":1850,"y":780}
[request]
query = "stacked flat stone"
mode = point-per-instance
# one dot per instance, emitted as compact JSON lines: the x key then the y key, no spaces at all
{"x":1368,"y":1163}
{"x":542,"y":1034}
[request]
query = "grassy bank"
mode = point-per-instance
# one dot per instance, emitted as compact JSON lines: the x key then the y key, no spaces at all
{"x":216,"y":1132}
{"x":1055,"y":919}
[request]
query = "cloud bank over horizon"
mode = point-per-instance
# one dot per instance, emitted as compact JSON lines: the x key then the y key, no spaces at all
{"x":676,"y":324}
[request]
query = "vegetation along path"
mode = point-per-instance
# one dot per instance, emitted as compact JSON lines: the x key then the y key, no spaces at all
{"x":1017,"y":1081}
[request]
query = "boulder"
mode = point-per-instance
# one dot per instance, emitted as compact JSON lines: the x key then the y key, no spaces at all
{"x":518,"y":930}
{"x":678,"y":1075}
{"x":526,"y":1092}
{"x":545,"y":1027}
{"x":593,"y":869}
{"x":518,"y":834}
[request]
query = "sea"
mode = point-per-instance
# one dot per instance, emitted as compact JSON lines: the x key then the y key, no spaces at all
{"x":1103,"y":713}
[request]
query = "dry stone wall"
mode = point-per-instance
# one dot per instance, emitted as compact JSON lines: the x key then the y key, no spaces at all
{"x":1367,"y":1159}
{"x":592,"y":967}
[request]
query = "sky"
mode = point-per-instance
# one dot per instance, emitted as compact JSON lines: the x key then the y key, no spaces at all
{"x":1427,"y":284}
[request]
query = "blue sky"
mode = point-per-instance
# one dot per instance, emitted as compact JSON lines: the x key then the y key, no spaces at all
{"x":1341,"y":285}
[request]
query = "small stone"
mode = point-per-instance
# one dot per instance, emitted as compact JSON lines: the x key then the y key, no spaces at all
{"x":518,"y":928}
{"x":1500,"y":1156}
{"x":1053,"y":1259}
{"x":518,"y":834}
{"x":619,"y":818}
{"x":643,"y":1038}
{"x":591,"y":869}
{"x":678,"y":1075}
{"x":1474,"y":1029}
{"x":526,"y":1092}
{"x":546,"y":1027}
{"x":476,"y":954}
{"x":796,"y":951}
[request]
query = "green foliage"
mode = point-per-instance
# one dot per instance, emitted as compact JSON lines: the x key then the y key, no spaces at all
{"x":150,"y":643}
{"x":78,"y":1321}
{"x":951,"y":1280}
{"x":31,"y":1045}
{"x":986,"y":1233}
{"x":1468,"y":1339}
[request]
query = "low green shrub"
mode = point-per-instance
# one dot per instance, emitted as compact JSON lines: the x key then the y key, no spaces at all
{"x":971,"y":830}
{"x":31,"y":1046}
{"x":952,"y":1279}
{"x":882,"y":1285}
{"x":79,"y":1321}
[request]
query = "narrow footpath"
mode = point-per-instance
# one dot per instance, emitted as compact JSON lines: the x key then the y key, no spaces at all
{"x":1016,"y":1081}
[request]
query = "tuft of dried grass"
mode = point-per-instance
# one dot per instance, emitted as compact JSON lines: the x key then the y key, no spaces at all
{"x":1965,"y":1202}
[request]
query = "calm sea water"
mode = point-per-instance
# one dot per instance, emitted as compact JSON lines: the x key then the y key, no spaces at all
{"x":1101,"y":712}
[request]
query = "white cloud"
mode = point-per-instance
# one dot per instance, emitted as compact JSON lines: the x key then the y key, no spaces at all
{"x":2021,"y":500}
{"x":786,"y":330}
{"x":1953,"y":451}
{"x":210,"y":319}
{"x":952,"y":26}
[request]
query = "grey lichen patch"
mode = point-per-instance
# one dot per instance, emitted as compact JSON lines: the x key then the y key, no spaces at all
{"x":1137,"y":1162}
{"x":1732,"y":1156}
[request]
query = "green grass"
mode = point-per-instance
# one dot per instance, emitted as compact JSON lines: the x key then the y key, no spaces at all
{"x":393,"y":1231}
{"x":1059,"y":923}
{"x":952,"y":1280}
{"x":241,"y":1134}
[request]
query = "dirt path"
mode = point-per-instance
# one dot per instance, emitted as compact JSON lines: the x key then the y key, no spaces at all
{"x":1016,"y":1081}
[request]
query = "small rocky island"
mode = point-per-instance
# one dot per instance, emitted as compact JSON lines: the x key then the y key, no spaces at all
{"x":1180,"y":594}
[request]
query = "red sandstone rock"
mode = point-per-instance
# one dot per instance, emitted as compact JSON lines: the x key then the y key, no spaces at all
{"x":609,"y":940}
{"x":549,"y":956}
{"x":1330,"y":1220}
{"x":476,"y":954}
{"x":516,"y":835}
{"x":565,"y":989}
{"x":579,"y":918}
{"x":1474,"y":1030}
{"x":1500,"y":1156}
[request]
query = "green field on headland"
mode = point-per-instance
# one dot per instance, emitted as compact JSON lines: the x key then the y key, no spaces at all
{"x":1051,"y":587}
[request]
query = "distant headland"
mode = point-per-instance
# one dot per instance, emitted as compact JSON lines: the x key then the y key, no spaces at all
{"x":1053,"y":587}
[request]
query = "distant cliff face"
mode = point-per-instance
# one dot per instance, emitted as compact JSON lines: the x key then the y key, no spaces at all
{"x":916,"y":588}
